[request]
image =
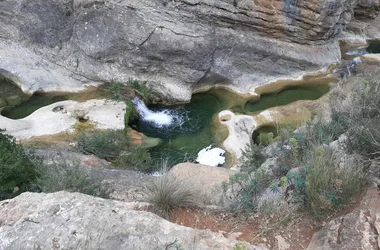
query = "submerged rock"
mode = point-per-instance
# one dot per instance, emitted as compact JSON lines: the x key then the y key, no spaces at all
{"x":76,"y":221}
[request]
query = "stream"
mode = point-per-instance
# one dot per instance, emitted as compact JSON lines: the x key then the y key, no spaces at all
{"x":186,"y":129}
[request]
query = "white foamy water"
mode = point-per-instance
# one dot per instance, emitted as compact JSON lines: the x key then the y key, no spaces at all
{"x":211,"y":156}
{"x":159,"y":119}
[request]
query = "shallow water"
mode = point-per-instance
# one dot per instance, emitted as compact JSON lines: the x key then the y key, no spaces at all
{"x":287,"y":96}
{"x":352,"y":51}
{"x":39,"y":100}
{"x":34,"y":103}
{"x":190,"y":128}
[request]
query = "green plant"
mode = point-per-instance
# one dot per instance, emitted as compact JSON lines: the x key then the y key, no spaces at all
{"x":123,"y":91}
{"x":106,"y":144}
{"x":135,"y":158}
{"x":166,"y":193}
{"x":60,"y":176}
{"x":113,"y":145}
{"x":17,"y":169}
{"x":252,"y":157}
{"x":246,"y":190}
{"x":327,"y":186}
{"x":239,"y":246}
{"x":295,"y":149}
{"x":174,"y":245}
{"x":266,"y":139}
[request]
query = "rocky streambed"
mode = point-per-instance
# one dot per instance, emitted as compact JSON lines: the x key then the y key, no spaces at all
{"x":193,"y":126}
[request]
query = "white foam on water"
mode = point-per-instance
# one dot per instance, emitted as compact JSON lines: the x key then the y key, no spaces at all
{"x":211,"y":156}
{"x":160,"y":119}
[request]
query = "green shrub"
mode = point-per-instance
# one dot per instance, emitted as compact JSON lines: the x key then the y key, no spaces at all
{"x":122,"y":90}
{"x":246,"y":190}
{"x":266,"y":139}
{"x":359,"y":103}
{"x":325,"y":185}
{"x":323,"y":132}
{"x":113,"y":145}
{"x":166,"y":193}
{"x":106,"y":144}
{"x":70,"y":177}
{"x":17,"y":169}
{"x":365,"y":138}
{"x":135,"y":158}
{"x":252,"y":157}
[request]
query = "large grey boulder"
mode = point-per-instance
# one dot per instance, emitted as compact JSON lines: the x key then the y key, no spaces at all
{"x":75,"y":221}
{"x":177,"y":46}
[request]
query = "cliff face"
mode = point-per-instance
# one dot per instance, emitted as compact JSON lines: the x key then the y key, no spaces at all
{"x":178,"y":46}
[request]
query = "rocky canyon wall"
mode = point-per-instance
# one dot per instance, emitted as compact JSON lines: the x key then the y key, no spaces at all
{"x":178,"y":46}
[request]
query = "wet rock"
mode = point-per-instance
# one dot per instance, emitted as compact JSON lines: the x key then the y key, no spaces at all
{"x":104,"y":114}
{"x":85,"y":222}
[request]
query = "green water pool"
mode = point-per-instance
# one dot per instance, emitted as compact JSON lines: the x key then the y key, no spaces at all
{"x":195,"y":130}
{"x":182,"y":143}
{"x":287,"y":96}
{"x":34,"y":103}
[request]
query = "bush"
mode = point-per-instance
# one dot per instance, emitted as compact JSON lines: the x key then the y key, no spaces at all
{"x":70,"y":177}
{"x":166,"y":193}
{"x":17,"y":169}
{"x":106,"y":144}
{"x":123,"y":91}
{"x":135,"y":158}
{"x":266,"y":139}
{"x":252,"y":157}
{"x":113,"y":145}
{"x":359,"y":103}
{"x":246,"y":190}
{"x":322,"y":185}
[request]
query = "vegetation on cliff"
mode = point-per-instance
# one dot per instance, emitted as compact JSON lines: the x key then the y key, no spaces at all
{"x":322,"y":165}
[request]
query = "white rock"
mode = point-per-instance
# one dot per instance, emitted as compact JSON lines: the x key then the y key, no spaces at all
{"x":104,"y":114}
{"x":78,"y":221}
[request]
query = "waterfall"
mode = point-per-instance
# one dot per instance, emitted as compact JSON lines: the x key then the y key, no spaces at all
{"x":158,"y":119}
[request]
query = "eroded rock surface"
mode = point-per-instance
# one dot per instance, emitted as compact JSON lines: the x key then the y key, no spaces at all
{"x":75,"y":221}
{"x":178,"y":46}
{"x":358,"y":230}
{"x":62,"y":116}
{"x":205,"y":180}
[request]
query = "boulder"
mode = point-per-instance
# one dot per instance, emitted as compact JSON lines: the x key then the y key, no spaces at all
{"x":357,"y":230}
{"x":240,"y":129}
{"x":65,"y":220}
{"x":207,"y":181}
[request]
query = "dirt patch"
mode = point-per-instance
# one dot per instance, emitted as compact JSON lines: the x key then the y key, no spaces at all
{"x":296,"y":230}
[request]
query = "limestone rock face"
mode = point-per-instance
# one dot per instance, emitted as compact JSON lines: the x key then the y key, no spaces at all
{"x":178,"y":46}
{"x":358,"y":230}
{"x":75,"y":221}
